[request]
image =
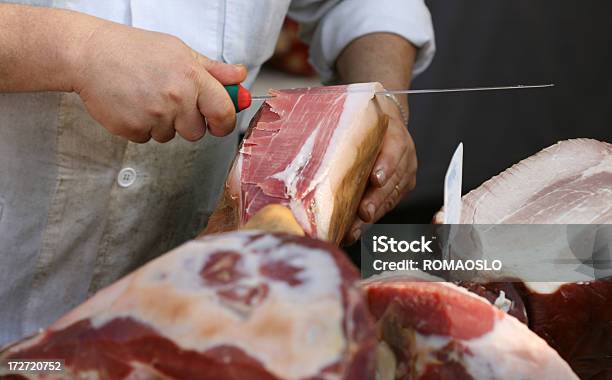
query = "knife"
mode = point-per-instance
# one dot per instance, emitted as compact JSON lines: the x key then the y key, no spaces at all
{"x":452,"y":188}
{"x":242,"y":98}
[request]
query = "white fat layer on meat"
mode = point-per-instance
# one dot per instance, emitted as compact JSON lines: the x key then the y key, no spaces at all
{"x":290,"y":176}
{"x":299,"y":212}
{"x":357,"y":119}
{"x":233,"y":179}
{"x":511,"y":351}
{"x":295,"y":332}
{"x":508,"y":197}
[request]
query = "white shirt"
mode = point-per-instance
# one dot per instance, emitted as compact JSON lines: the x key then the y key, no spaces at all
{"x":79,"y":208}
{"x":247,"y":30}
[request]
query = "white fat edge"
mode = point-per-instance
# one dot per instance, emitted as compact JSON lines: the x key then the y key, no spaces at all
{"x":314,"y":310}
{"x":100,"y":302}
{"x":544,"y":287}
{"x":560,"y":156}
{"x":346,"y":139}
{"x":298,"y":209}
{"x":512,"y":351}
{"x":290,"y":176}
{"x":234,"y":179}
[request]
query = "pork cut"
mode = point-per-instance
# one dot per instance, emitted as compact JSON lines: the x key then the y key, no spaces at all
{"x":437,"y":330}
{"x":567,"y":183}
{"x":235,"y":306}
{"x":311,"y":150}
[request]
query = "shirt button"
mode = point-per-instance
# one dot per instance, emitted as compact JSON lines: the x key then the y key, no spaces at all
{"x":126,"y":177}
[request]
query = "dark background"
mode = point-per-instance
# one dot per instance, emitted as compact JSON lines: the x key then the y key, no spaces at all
{"x":483,"y":43}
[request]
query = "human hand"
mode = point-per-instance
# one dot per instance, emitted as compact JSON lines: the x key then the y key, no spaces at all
{"x":393,"y":175}
{"x":141,"y":85}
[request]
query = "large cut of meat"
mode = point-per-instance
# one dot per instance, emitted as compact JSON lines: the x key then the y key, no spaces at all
{"x":311,"y":150}
{"x":567,"y":183}
{"x":437,"y":330}
{"x":235,"y":306}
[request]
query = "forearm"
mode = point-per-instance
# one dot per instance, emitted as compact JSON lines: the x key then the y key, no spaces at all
{"x":39,"y":47}
{"x":378,"y":57}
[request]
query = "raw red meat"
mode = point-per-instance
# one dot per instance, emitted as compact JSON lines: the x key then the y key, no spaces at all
{"x":567,"y":183}
{"x":437,"y":330}
{"x":236,"y":306}
{"x":311,"y":150}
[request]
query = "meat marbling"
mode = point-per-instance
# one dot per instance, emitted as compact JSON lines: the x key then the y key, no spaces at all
{"x":311,"y":150}
{"x":437,"y":330}
{"x":567,"y":183}
{"x":235,"y":306}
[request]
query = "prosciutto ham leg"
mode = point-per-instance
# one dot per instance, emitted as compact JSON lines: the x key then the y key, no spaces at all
{"x":235,"y":306}
{"x":567,"y":183}
{"x":311,"y":150}
{"x":436,"y":330}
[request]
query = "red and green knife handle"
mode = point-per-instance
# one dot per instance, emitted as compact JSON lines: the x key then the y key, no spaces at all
{"x":241,"y":97}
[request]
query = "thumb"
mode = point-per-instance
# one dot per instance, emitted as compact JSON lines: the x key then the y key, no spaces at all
{"x":223,"y":72}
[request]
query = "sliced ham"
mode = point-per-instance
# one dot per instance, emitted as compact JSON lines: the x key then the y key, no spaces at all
{"x":567,"y":183}
{"x":311,"y":150}
{"x":437,"y":330}
{"x":235,"y":306}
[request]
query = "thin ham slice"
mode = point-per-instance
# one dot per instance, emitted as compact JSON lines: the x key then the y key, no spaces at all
{"x":567,"y":183}
{"x":235,"y":306}
{"x":437,"y":330}
{"x":311,"y":150}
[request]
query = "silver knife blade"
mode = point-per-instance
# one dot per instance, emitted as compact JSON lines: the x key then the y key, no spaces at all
{"x":440,"y":90}
{"x":452,"y":188}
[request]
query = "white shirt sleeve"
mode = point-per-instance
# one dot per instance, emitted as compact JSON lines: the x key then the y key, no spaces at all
{"x":329,"y":26}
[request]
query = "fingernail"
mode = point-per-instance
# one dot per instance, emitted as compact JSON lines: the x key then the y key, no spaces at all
{"x":371,"y":210}
{"x":380,"y":176}
{"x":356,"y":234}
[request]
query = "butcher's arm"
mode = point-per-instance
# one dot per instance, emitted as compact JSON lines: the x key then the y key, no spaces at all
{"x":37,"y":47}
{"x":386,"y":58}
{"x":136,"y":83}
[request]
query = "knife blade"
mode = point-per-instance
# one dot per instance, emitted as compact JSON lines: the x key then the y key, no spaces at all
{"x":452,"y":188}
{"x":439,"y":90}
{"x":241,"y":97}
